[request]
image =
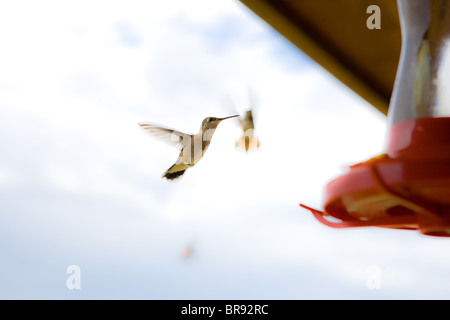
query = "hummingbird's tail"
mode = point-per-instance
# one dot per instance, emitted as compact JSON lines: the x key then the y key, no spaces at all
{"x":248,"y":142}
{"x":175,"y":171}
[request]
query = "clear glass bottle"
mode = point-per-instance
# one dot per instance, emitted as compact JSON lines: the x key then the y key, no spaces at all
{"x":421,"y":91}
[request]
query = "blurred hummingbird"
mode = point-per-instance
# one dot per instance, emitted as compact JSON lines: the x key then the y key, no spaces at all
{"x":248,"y":140}
{"x":192,"y":146}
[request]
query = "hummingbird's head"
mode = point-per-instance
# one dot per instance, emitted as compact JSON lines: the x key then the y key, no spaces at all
{"x":249,"y":115}
{"x":212,"y":122}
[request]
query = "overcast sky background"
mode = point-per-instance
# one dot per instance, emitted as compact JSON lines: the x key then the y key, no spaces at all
{"x":80,"y":183}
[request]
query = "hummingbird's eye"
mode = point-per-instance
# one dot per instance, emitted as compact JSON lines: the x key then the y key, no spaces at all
{"x":210,"y":119}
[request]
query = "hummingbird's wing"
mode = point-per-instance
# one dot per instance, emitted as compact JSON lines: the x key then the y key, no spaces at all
{"x":170,"y":136}
{"x":252,"y":102}
{"x":248,"y":113}
{"x":231,"y":109}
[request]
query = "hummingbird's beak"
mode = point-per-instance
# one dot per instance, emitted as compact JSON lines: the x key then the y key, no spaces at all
{"x":220,"y":119}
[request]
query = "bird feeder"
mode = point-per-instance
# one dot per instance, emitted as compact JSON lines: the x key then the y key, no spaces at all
{"x":407,"y":187}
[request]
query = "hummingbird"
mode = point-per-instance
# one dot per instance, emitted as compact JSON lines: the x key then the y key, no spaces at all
{"x":187,"y":252}
{"x":192,"y":146}
{"x":248,"y":140}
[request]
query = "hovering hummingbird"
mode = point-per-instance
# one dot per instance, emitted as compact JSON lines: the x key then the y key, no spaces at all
{"x":187,"y":252}
{"x":192,"y":146}
{"x":248,"y":140}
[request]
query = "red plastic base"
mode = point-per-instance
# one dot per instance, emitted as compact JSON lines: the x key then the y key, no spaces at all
{"x":406,"y":188}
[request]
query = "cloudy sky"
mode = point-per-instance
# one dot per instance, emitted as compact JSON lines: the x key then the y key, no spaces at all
{"x":80,"y":183}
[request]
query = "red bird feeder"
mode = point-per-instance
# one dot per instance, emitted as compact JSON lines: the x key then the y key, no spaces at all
{"x":408,"y":187}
